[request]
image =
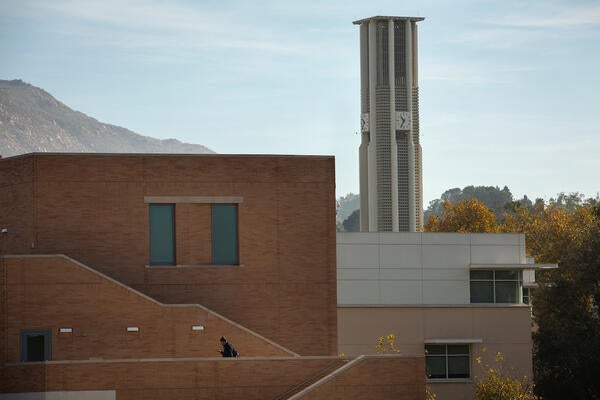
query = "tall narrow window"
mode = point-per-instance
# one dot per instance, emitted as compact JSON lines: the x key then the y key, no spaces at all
{"x":225,"y":234}
{"x":162,"y":234}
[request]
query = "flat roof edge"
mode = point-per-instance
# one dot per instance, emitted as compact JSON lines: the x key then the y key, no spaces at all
{"x":214,"y":155}
{"x":512,"y":266}
{"x":362,"y":21}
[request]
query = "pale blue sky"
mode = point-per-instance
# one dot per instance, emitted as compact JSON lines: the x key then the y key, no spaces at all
{"x":509,"y":89}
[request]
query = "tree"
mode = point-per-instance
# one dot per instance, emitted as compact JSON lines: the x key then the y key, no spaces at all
{"x":497,"y":384}
{"x":346,"y":205}
{"x":465,"y":216}
{"x":352,"y":223}
{"x":493,"y":197}
{"x":566,"y":305}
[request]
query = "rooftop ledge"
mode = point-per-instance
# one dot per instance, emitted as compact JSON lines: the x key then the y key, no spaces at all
{"x":512,"y":266}
{"x":379,"y":17}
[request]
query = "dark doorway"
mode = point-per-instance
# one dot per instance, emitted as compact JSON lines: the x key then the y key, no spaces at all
{"x":35,"y":345}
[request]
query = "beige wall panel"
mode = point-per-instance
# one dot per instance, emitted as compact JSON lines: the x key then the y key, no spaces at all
{"x":445,"y":292}
{"x":408,"y":274}
{"x":495,"y":254}
{"x":359,"y":256}
{"x":445,"y":255}
{"x":358,"y":292}
{"x":391,"y":256}
{"x":400,"y":292}
{"x":495,"y":239}
{"x":445,"y":238}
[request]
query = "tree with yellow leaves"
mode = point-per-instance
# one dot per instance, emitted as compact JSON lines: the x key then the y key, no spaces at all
{"x":497,"y":384}
{"x":469,"y":215}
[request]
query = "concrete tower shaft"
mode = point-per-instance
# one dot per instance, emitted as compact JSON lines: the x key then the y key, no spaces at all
{"x":390,"y":151}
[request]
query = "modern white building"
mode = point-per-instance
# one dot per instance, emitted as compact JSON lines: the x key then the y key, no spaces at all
{"x":448,"y":295}
{"x":391,"y":184}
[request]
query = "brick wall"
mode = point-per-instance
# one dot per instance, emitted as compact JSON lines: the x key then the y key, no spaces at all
{"x":244,"y":379}
{"x":17,"y":213}
{"x":232,"y":379}
{"x":374,"y":377}
{"x":91,"y":208}
{"x":53,"y":292}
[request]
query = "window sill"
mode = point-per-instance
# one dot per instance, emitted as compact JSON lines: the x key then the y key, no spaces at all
{"x":457,"y":380}
{"x":192,"y":266}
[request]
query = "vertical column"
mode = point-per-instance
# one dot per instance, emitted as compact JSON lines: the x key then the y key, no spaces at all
{"x":363,"y":158}
{"x":393,"y":144}
{"x":372,"y":150}
{"x":411,"y":146}
{"x":416,"y":127}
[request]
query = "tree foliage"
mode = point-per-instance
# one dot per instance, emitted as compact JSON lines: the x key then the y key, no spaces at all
{"x":346,"y":205}
{"x":566,"y":305}
{"x":493,"y":197}
{"x":497,"y":384}
{"x":469,"y":215}
{"x":352,"y":223}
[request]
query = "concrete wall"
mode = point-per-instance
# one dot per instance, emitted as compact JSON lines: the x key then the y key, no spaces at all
{"x":506,"y":329}
{"x":417,"y":268}
{"x":91,"y":207}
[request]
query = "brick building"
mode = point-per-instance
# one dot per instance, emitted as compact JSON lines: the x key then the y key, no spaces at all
{"x":120,"y":272}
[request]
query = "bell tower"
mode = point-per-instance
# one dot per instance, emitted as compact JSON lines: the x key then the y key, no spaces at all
{"x":391,"y":184}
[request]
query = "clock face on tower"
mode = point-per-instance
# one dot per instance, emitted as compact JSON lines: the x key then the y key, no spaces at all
{"x":402,"y":120}
{"x":364,"y":122}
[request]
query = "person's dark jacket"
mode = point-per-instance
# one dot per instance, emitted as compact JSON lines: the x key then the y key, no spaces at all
{"x":228,"y":350}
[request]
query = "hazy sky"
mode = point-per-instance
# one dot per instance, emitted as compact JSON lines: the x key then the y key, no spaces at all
{"x":509,"y":89}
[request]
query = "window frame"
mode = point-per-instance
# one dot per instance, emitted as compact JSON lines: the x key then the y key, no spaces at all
{"x":447,"y":356}
{"x":518,"y":292}
{"x":211,"y":200}
{"x":236,"y":246}
{"x":173,"y":260}
{"x":24,"y":334}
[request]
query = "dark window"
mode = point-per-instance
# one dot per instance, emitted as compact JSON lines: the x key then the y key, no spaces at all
{"x":496,"y":287}
{"x":447,"y":361}
{"x":225,"y":234}
{"x":162,"y":234}
{"x":35,"y":345}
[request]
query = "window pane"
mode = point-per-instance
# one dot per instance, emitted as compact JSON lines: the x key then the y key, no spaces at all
{"x":482,"y":292}
{"x":462,"y":349}
{"x":458,"y":366}
{"x":435,"y":349}
{"x":507,"y":275}
{"x":162,"y":234}
{"x":224,"y":234}
{"x":525,"y":295}
{"x":435,"y":366}
{"x":485,"y":275}
{"x":506,"y":292}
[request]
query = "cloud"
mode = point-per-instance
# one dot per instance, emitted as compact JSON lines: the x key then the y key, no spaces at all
{"x":536,"y":22}
{"x":150,"y":24}
{"x":470,"y":73}
{"x":565,"y":16}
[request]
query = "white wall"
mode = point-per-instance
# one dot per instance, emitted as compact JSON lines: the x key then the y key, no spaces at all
{"x":412,"y":268}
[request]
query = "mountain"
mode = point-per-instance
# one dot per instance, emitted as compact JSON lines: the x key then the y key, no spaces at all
{"x":31,"y":120}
